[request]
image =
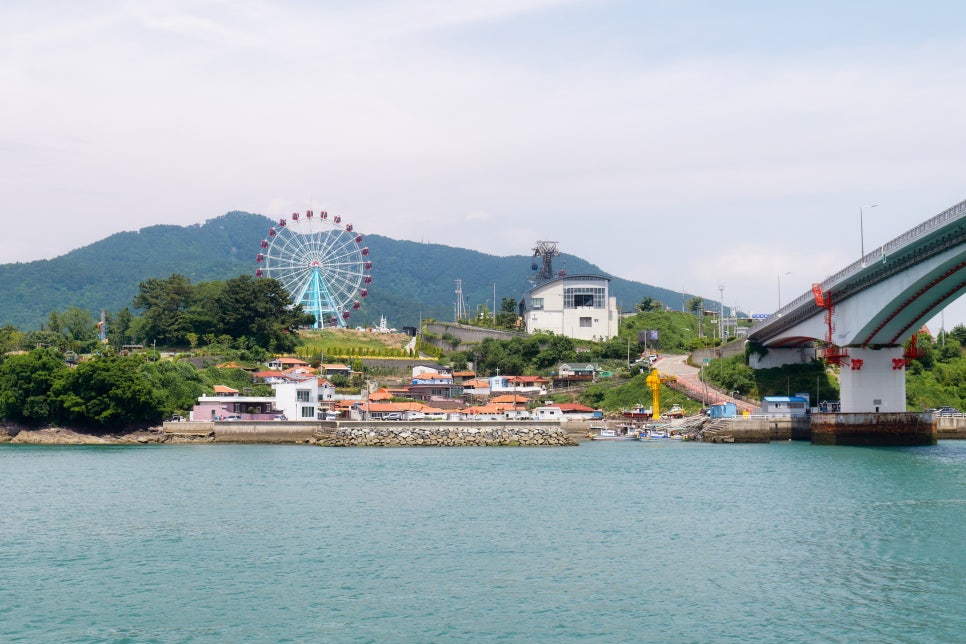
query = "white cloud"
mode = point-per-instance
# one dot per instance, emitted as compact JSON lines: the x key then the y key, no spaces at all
{"x":680,"y":168}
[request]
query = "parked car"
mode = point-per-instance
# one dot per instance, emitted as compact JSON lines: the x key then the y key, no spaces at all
{"x":279,"y":417}
{"x":175,"y":419}
{"x":231,"y":417}
{"x":947,"y":411}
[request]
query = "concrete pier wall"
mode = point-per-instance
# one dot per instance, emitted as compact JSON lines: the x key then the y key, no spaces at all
{"x":895,"y":429}
{"x":951,"y":427}
{"x":756,"y":429}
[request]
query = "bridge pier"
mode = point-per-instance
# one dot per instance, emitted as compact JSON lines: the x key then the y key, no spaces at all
{"x":873,"y":380}
{"x":892,"y":429}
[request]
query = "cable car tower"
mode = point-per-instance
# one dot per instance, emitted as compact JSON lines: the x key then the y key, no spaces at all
{"x":547,"y":250}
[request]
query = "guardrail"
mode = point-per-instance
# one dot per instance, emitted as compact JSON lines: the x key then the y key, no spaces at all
{"x":950,"y":214}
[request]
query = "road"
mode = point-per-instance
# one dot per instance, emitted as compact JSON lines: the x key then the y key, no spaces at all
{"x":690,"y":378}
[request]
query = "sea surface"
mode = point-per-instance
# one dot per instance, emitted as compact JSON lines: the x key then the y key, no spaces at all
{"x":605,"y":542}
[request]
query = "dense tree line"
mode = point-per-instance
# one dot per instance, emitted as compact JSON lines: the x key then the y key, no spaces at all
{"x":244,"y":313}
{"x":106,"y":392}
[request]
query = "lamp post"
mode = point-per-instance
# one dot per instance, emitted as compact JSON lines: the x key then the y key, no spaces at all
{"x":721,"y":287}
{"x":862,"y":231}
{"x":684,"y":328}
{"x":780,"y":287}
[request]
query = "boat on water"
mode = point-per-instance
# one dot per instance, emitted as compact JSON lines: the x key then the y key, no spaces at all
{"x":653,"y":434}
{"x":604,"y":433}
{"x":658,"y":432}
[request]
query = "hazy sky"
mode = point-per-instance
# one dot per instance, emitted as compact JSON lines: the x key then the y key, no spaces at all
{"x":681,"y":143}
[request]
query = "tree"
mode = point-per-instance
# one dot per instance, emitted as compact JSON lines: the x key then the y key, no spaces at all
{"x":26,"y":382}
{"x":648,"y":304}
{"x":11,"y":339}
{"x":119,"y":328}
{"x":108,"y":392}
{"x":507,"y":317}
{"x":165,"y":303}
{"x":260,"y":309}
{"x":79,"y":328}
{"x":695,"y":305}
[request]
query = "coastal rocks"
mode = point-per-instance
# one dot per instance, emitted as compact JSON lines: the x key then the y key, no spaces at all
{"x":443,"y":436}
{"x":63,"y":436}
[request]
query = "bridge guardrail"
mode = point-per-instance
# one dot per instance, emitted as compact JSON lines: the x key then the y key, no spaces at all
{"x":945,"y":216}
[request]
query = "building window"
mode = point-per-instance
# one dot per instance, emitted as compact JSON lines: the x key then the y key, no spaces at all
{"x":307,"y":412}
{"x":302,"y":395}
{"x":581,"y":297}
{"x":585,"y":322}
{"x":536,"y":303}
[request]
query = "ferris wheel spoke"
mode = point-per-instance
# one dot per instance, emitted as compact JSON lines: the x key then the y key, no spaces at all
{"x":319,"y":263}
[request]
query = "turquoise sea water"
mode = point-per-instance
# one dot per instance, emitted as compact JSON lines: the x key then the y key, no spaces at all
{"x":619,"y":542}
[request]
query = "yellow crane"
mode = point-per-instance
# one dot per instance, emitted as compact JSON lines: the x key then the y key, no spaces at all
{"x":654,"y":380}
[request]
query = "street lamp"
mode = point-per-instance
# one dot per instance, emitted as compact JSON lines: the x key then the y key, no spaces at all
{"x":780,"y":288}
{"x":862,"y":230}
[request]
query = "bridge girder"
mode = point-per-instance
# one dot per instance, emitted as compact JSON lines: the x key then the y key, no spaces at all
{"x":887,"y":297}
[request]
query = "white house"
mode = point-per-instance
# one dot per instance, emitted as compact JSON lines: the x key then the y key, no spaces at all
{"x":576,"y":306}
{"x":304,"y":400}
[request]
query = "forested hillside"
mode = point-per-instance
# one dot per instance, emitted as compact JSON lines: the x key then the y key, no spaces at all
{"x":410,"y":280}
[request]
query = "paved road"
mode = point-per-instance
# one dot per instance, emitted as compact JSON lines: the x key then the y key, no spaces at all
{"x":690,"y":377}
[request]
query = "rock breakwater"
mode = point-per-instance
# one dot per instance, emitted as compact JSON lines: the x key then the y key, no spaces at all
{"x":444,"y":436}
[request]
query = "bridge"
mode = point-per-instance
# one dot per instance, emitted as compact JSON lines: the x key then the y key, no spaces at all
{"x":861,"y":317}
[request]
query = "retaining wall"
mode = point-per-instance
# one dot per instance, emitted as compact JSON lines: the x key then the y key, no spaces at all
{"x":951,"y":427}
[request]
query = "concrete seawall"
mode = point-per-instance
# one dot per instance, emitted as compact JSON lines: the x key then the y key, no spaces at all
{"x":756,"y":429}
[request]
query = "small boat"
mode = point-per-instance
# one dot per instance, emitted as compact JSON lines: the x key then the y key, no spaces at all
{"x":605,"y":433}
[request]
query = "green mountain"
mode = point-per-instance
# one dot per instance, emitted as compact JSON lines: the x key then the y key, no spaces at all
{"x":411,"y":280}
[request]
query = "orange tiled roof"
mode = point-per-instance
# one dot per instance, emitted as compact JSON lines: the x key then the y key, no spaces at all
{"x":476,"y":384}
{"x":484,"y":409}
{"x":509,"y":398}
{"x":334,"y":366}
{"x":573,"y":407}
{"x":269,"y":373}
{"x":291,"y":361}
{"x":222,"y":389}
{"x":380,"y":394}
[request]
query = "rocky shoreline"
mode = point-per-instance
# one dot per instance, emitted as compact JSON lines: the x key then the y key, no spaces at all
{"x":64,"y":436}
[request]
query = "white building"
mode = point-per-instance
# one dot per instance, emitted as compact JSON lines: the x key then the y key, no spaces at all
{"x":305,"y":400}
{"x":575,"y":306}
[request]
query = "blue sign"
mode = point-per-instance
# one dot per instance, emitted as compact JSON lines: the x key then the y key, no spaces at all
{"x":760,"y":316}
{"x":653,"y":335}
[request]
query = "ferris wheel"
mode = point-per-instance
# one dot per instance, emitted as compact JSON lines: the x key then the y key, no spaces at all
{"x":321,"y":263}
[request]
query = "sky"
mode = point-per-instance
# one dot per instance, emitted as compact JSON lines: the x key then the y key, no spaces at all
{"x":686,"y":144}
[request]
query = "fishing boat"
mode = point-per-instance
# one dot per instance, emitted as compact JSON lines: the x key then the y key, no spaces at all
{"x":605,"y":433}
{"x":640,"y":412}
